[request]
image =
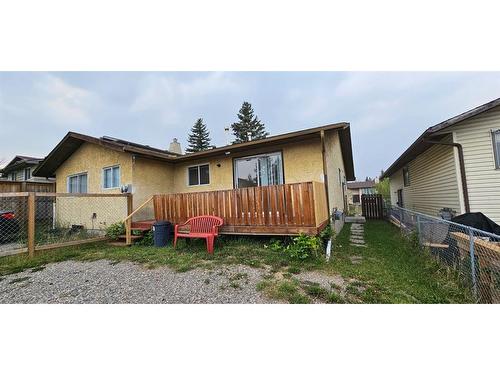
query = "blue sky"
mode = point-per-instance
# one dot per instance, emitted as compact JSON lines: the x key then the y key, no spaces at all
{"x":387,"y":110}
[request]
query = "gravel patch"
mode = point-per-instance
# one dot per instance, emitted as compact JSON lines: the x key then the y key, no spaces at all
{"x":325,"y":281}
{"x":126,"y":282}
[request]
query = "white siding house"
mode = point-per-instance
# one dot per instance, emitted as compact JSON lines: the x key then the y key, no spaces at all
{"x":433,"y":172}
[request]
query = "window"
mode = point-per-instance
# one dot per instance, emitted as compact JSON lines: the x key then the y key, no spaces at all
{"x":27,"y":174}
{"x":496,"y":148}
{"x":13,"y":176}
{"x":77,"y":183}
{"x":400,"y":198}
{"x":111,"y":177}
{"x":406,"y":176}
{"x":355,"y":198}
{"x":199,"y":175}
{"x":258,"y":170}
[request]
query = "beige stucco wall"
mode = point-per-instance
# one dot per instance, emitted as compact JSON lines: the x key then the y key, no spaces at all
{"x":150,"y":177}
{"x":483,"y":180}
{"x":91,"y":158}
{"x":433,"y":182}
{"x":302,"y":162}
{"x":336,"y":174}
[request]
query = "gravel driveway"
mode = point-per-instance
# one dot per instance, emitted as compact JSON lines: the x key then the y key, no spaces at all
{"x":106,"y":282}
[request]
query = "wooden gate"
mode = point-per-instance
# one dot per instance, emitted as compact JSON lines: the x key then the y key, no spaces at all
{"x":372,"y":206}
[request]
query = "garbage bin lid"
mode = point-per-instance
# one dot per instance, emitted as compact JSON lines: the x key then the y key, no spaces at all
{"x":161,"y":223}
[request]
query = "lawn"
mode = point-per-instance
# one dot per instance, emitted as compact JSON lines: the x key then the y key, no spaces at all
{"x":389,"y":270}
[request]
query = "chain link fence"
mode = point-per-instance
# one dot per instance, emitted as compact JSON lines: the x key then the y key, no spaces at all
{"x":473,"y":254}
{"x":44,"y":220}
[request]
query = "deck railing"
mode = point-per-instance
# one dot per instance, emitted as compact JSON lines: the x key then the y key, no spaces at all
{"x":276,"y":209}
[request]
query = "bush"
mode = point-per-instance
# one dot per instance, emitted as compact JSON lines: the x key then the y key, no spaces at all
{"x":147,"y":240}
{"x":326,"y":234}
{"x":115,"y":230}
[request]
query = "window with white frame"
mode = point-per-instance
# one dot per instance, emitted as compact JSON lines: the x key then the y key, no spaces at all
{"x":199,"y":175}
{"x":496,"y":147}
{"x":111,"y":177}
{"x":77,"y":183}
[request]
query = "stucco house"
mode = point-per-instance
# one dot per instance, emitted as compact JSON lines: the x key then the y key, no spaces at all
{"x":356,"y":189}
{"x":85,"y":164}
{"x":21,"y":168}
{"x":454,"y":165}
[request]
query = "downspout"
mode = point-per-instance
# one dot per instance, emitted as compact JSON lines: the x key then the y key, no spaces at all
{"x":462,"y":168}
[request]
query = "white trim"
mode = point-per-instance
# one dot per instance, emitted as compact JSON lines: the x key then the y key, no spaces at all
{"x":199,"y":165}
{"x":119,"y":177}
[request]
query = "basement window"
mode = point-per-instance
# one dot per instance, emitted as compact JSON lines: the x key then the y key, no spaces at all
{"x":496,"y":148}
{"x":199,"y":175}
{"x":406,"y":176}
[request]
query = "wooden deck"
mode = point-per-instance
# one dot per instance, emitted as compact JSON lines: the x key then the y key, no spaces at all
{"x":271,"y":210}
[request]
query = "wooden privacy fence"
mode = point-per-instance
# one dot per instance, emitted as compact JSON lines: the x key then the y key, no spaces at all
{"x":372,"y":206}
{"x":26,"y":186}
{"x":276,"y":209}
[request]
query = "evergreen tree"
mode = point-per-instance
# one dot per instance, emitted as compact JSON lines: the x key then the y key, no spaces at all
{"x":249,"y":126}
{"x":199,"y":138}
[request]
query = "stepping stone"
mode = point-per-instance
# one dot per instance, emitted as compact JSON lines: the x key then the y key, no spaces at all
{"x":358,"y":245}
{"x":357,"y":232}
{"x":359,"y":238}
{"x":353,"y":240}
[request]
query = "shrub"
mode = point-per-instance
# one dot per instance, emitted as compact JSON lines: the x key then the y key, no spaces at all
{"x":303,"y":247}
{"x":147,"y":240}
{"x":326,"y":235}
{"x":115,"y":230}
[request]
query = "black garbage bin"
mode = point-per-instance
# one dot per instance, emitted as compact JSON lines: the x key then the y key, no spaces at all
{"x":161,"y":233}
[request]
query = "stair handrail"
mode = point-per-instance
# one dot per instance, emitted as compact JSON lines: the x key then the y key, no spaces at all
{"x":128,"y":221}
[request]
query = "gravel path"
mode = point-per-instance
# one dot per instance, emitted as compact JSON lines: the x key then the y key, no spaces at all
{"x":105,"y":282}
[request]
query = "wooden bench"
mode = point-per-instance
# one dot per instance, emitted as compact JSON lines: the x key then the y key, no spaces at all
{"x":206,"y":227}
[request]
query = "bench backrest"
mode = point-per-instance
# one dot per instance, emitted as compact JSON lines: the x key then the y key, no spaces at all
{"x":204,"y":224}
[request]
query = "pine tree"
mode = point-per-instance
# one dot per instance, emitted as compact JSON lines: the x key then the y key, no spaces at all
{"x":199,"y":138}
{"x":249,"y":126}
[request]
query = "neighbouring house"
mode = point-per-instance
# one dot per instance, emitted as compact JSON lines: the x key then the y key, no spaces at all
{"x":357,"y":188}
{"x":453,"y":166}
{"x":321,"y":157}
{"x":21,"y":169}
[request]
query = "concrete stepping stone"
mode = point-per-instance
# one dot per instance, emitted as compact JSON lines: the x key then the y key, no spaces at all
{"x":358,"y":245}
{"x":361,"y":242}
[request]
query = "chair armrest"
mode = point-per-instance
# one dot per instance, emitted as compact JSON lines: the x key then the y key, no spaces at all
{"x":176,"y":228}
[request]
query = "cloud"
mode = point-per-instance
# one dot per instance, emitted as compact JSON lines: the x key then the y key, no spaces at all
{"x":170,"y":97}
{"x":64,"y":103}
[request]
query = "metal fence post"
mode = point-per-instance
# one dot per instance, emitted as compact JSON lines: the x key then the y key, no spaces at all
{"x":472,"y":262}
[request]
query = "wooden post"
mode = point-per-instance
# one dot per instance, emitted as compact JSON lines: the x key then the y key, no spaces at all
{"x":31,"y":224}
{"x":128,"y":231}
{"x":129,"y":204}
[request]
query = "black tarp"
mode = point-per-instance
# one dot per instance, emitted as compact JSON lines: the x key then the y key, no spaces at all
{"x":479,"y":221}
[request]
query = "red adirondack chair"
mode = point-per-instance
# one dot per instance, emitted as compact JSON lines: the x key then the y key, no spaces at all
{"x":199,"y":227}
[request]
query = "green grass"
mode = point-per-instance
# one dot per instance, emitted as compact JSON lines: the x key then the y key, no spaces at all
{"x":390,"y":270}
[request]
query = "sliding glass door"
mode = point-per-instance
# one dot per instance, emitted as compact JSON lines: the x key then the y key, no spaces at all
{"x":258,"y":170}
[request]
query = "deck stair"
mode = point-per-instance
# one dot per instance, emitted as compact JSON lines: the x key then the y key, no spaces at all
{"x":139,"y":228}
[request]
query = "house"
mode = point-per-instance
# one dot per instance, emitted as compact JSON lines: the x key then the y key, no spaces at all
{"x":21,"y":169}
{"x":357,"y":188}
{"x":321,"y":156}
{"x":454,"y":165}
